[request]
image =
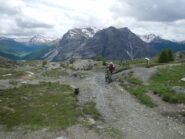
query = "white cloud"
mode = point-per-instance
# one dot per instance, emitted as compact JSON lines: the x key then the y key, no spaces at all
{"x":153,"y":10}
{"x":55,"y":17}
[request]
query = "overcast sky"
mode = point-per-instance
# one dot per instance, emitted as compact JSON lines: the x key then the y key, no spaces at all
{"x":53,"y":18}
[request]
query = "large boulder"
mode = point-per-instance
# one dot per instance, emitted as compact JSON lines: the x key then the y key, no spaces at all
{"x":180,"y":54}
{"x":83,"y":64}
{"x":183,"y":79}
{"x":178,"y":89}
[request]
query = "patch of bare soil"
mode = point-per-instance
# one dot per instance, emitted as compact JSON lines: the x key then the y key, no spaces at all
{"x":26,"y":77}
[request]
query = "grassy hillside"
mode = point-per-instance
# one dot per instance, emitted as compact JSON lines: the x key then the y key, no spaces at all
{"x":10,"y":56}
{"x":18,"y":51}
{"x":14,"y":50}
{"x":37,"y":55}
{"x":6,"y":63}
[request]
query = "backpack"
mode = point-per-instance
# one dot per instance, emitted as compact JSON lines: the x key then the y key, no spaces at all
{"x":111,"y":67}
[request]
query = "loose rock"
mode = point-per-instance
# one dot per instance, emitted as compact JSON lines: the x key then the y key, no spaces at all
{"x":178,"y":90}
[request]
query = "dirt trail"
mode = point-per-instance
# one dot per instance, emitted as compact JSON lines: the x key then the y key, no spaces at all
{"x":133,"y":118}
{"x":121,"y":111}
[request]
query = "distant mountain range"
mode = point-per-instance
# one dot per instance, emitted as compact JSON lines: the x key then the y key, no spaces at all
{"x":110,"y":43}
{"x":159,"y":43}
{"x":35,"y":40}
{"x":20,"y":48}
{"x":87,"y":43}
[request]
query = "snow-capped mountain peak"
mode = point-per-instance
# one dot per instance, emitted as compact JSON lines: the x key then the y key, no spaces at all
{"x":39,"y":39}
{"x":148,"y":38}
{"x":86,"y":32}
{"x":35,"y":40}
{"x":89,"y":31}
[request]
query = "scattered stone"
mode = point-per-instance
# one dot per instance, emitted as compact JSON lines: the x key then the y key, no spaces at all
{"x":62,"y":137}
{"x":9,"y":109}
{"x":100,"y":127}
{"x":83,"y":64}
{"x":183,"y":79}
{"x":25,"y":98}
{"x":30,"y":73}
{"x":24,"y":82}
{"x":91,"y":121}
{"x":178,"y":89}
{"x":7,"y":75}
{"x":180,"y":54}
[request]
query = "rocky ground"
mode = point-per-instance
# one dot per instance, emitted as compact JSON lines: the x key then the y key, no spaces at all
{"x":123,"y":114}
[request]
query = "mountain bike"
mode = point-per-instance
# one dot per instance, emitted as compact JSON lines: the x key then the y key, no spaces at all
{"x":108,"y":74}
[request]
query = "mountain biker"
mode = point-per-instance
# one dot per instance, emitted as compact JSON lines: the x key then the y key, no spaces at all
{"x":111,"y":67}
{"x":109,"y":70}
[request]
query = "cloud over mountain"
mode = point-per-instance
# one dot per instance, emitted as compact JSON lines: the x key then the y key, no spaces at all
{"x":152,"y":10}
{"x":54,"y":17}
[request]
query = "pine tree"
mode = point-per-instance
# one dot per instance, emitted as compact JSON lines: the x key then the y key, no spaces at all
{"x":163,"y":57}
{"x":170,"y":55}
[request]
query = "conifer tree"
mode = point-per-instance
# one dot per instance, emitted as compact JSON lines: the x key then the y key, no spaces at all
{"x":163,"y":57}
{"x":170,"y":55}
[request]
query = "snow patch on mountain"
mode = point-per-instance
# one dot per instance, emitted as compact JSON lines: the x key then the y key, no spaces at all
{"x":89,"y":31}
{"x":86,"y":32}
{"x":22,"y":40}
{"x":39,"y":39}
{"x":35,"y":40}
{"x":148,"y":38}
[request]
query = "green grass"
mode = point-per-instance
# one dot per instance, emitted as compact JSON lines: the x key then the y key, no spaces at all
{"x":141,"y":62}
{"x":115,"y":133}
{"x":140,"y":93}
{"x":55,"y":73}
{"x":46,"y":105}
{"x":121,"y":69}
{"x":13,"y":82}
{"x":161,"y":84}
{"x":49,"y":105}
{"x":164,"y":79}
{"x":90,"y":109}
{"x":15,"y":73}
{"x":135,"y":81}
{"x":136,"y":88}
{"x":83,"y":75}
{"x":112,"y":132}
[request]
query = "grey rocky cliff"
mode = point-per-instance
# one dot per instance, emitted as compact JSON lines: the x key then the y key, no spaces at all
{"x":110,"y":43}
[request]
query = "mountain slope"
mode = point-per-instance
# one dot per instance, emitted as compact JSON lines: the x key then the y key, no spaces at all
{"x":12,"y":49}
{"x":4,"y":62}
{"x":36,"y":40}
{"x":26,"y":48}
{"x":159,"y":43}
{"x":39,"y":40}
{"x":166,"y":44}
{"x":39,"y":53}
{"x":110,"y":43}
{"x":71,"y":41}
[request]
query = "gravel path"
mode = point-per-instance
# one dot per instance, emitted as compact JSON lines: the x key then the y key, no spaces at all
{"x":121,"y":111}
{"x":135,"y":120}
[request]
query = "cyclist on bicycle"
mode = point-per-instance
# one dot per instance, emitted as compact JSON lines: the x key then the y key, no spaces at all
{"x":111,"y":67}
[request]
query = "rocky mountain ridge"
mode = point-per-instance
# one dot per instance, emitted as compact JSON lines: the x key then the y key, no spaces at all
{"x":111,"y":43}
